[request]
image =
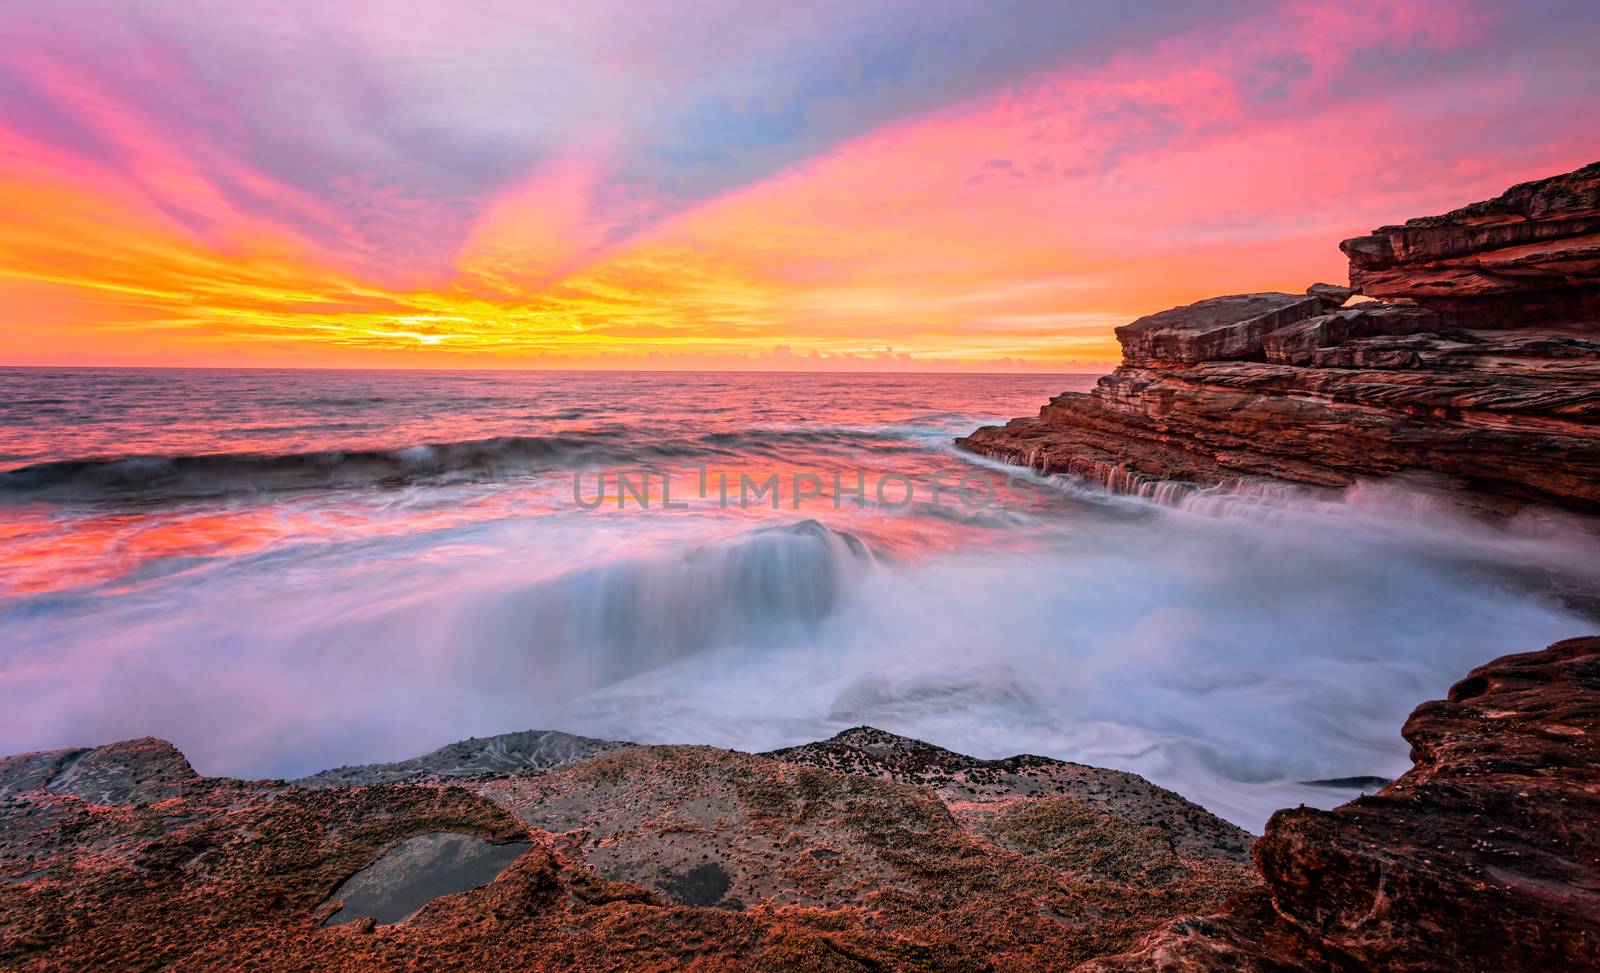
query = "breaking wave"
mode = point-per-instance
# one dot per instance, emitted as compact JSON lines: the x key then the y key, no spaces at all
{"x":213,"y":474}
{"x":594,"y":625}
{"x":203,"y":475}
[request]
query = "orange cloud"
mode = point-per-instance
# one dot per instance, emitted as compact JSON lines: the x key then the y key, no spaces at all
{"x":1021,"y":225}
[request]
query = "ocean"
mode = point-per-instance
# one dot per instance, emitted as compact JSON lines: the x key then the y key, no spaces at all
{"x":282,"y":571}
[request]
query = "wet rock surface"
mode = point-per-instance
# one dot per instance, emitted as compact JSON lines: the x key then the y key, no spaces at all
{"x":976,"y":790}
{"x":643,"y":857}
{"x":865,"y":851}
{"x":751,"y":833}
{"x":1489,"y":386}
{"x":636,"y":856}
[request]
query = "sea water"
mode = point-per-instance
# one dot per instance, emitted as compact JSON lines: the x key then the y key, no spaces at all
{"x":281,"y":571}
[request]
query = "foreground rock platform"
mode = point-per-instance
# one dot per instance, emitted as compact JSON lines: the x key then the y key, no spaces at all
{"x":868,"y":851}
{"x":1479,"y":368}
{"x":548,"y":851}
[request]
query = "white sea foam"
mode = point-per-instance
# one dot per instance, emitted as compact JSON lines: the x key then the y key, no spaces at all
{"x":1228,"y":657}
{"x":1228,"y":643}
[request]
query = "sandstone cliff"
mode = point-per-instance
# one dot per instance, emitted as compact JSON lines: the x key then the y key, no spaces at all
{"x":1531,"y":252}
{"x":1477,"y":363}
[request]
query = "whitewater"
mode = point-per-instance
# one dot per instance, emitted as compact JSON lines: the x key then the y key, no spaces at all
{"x":282,"y":571}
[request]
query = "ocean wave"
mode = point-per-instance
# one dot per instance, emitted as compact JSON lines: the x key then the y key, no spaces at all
{"x":216,"y":474}
{"x":766,"y":586}
{"x":599,"y":624}
{"x":179,"y":477}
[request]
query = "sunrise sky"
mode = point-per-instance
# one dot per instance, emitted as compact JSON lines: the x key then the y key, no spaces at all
{"x":709,"y":184}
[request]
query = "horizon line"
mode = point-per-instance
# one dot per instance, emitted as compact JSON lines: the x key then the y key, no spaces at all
{"x":667,"y":371}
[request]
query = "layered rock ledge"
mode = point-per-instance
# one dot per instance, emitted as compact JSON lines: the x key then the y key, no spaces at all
{"x":1473,"y":358}
{"x":864,"y":852}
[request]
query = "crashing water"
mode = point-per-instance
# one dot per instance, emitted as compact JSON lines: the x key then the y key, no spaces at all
{"x":286,"y":571}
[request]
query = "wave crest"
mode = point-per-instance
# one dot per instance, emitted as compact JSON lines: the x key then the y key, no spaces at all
{"x":764,"y":587}
{"x":156,"y":478}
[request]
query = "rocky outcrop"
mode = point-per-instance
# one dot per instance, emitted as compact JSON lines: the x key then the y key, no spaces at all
{"x":979,"y":790}
{"x":1490,"y":386}
{"x":507,"y":753}
{"x":545,"y":851}
{"x":1485,"y":855}
{"x":1220,"y":329}
{"x":1532,"y":252}
{"x":140,"y":771}
{"x":867,"y":851}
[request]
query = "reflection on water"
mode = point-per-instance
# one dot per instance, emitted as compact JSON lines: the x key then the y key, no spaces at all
{"x":386,"y":562}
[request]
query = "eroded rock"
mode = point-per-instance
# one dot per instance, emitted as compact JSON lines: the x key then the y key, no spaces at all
{"x":131,"y":772}
{"x":506,"y":753}
{"x":637,"y":857}
{"x":977,"y":790}
{"x":1218,"y":329}
{"x":1492,"y":392}
{"x":1298,"y":343}
{"x":1531,"y":253}
{"x":866,"y":851}
{"x":1485,"y":855}
{"x":1333,"y":295}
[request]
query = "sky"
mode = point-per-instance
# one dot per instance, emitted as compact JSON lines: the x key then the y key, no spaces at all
{"x":716,"y":184}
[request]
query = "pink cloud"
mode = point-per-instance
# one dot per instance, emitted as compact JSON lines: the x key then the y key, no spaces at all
{"x":402,"y":183}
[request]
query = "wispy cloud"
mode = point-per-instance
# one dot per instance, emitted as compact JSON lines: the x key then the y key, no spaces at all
{"x":452,"y":183}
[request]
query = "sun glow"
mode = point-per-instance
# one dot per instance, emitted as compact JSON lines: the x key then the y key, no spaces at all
{"x":1010,"y":225}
